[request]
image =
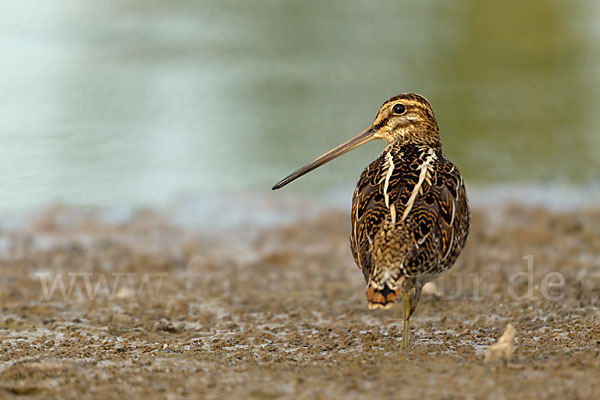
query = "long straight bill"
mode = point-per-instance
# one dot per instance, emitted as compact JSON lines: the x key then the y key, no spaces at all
{"x":365,"y":136}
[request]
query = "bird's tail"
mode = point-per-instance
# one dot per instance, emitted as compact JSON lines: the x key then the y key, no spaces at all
{"x":382,"y":297}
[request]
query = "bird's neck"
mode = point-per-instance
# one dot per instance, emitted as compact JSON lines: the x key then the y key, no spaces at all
{"x":403,"y":143}
{"x":418,"y":135}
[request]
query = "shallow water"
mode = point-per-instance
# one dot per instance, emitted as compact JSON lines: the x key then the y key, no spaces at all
{"x":135,"y":103}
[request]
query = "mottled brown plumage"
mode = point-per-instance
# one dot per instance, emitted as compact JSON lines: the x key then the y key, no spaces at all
{"x":410,"y":214}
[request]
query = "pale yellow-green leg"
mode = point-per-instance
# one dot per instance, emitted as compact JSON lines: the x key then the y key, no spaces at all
{"x":406,"y":302}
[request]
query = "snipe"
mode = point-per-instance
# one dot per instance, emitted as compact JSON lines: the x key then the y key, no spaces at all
{"x":410,"y":213}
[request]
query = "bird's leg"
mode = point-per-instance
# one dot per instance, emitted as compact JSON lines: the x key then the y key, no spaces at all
{"x":410,"y":305}
{"x":416,"y":297}
{"x":406,"y":302}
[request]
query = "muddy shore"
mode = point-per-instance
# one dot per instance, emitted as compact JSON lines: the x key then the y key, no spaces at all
{"x":145,"y":306}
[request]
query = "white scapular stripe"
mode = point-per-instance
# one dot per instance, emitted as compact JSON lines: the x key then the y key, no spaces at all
{"x":355,"y":223}
{"x":390,"y":169}
{"x":449,"y":247}
{"x":424,"y":171}
{"x":393,"y":214}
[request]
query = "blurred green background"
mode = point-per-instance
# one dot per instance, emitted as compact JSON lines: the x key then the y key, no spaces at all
{"x":137,"y":102}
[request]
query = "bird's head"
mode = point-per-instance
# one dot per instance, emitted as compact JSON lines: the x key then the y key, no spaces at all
{"x":406,"y":118}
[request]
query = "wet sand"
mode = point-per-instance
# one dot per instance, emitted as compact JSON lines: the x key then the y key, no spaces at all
{"x":151,"y":307}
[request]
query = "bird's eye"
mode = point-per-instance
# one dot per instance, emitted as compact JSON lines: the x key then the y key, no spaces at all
{"x":399,"y":108}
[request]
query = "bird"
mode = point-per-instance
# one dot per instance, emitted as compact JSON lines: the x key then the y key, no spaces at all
{"x":410,"y":212}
